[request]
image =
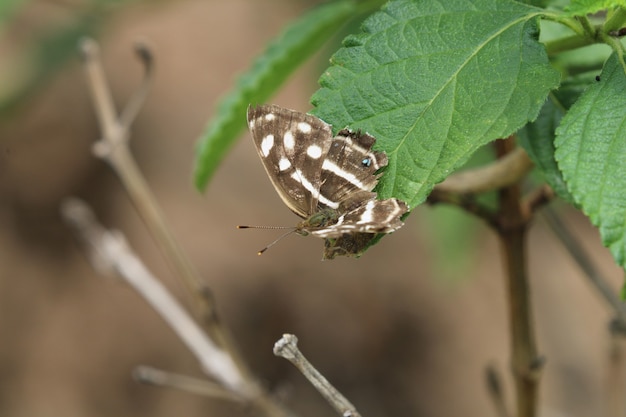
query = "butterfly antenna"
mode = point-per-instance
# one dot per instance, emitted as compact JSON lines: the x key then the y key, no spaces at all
{"x":279,"y":238}
{"x":275,"y":241}
{"x":264,"y":227}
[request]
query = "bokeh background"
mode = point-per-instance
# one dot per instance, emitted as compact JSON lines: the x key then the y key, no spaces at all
{"x":407,"y":330}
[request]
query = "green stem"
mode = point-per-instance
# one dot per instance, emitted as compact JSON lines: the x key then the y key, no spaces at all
{"x":588,"y":28}
{"x":567,"y":44}
{"x":616,"y":20}
{"x":574,"y":24}
{"x":617,"y":46}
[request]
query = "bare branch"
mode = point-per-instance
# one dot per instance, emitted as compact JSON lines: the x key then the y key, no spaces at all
{"x":287,"y":347}
{"x":513,"y":223}
{"x":136,"y":102}
{"x":112,"y":250}
{"x":114,"y":149}
{"x":502,"y":173}
{"x":156,"y":377}
{"x":580,"y":256}
{"x":100,"y":92}
{"x":615,"y":381}
{"x":465,"y":202}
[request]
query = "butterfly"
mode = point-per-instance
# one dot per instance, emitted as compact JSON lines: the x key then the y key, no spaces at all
{"x":325,"y":179}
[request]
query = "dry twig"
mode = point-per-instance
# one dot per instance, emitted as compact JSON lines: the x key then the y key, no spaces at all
{"x":110,"y":251}
{"x":153,"y":376}
{"x":580,"y":256}
{"x":287,"y":347}
{"x":216,"y":353}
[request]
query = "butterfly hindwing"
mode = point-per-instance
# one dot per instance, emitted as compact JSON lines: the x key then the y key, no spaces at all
{"x":351,"y":167}
{"x":363,"y":213}
{"x":344,"y":240}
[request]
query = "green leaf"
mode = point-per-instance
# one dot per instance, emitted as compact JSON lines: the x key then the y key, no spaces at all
{"x":434,"y":81}
{"x":299,"y":41}
{"x":591,"y":153}
{"x":585,"y":7}
{"x":537,"y":138}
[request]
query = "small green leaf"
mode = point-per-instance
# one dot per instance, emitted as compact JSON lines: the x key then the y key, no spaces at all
{"x":434,"y":81}
{"x":591,"y":153}
{"x":585,"y":7}
{"x":537,"y":138}
{"x":298,"y":42}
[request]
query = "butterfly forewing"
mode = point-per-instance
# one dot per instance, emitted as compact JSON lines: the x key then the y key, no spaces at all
{"x":292,"y":147}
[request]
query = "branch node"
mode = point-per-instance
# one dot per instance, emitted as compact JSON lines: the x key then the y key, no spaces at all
{"x":617,"y":326}
{"x":494,"y":387}
{"x":88,"y":48}
{"x":537,"y":199}
{"x":535,"y":367}
{"x":287,"y":347}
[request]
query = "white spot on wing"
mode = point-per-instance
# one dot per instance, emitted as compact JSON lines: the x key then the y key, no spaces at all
{"x":368,"y":214}
{"x":298,"y":176}
{"x":304,"y":127}
{"x":269,"y":117}
{"x":284,"y":164}
{"x":289,"y":141}
{"x":267,"y":144}
{"x":314,"y":151}
{"x":351,"y":178}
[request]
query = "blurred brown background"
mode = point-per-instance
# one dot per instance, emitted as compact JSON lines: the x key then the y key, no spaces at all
{"x":386,"y":329}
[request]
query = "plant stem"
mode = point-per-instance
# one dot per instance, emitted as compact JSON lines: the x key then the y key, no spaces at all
{"x":509,"y":169}
{"x":567,"y":43}
{"x":616,"y":19}
{"x":512,"y":227}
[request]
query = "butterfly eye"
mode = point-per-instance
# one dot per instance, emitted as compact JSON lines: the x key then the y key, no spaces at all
{"x":366,"y":162}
